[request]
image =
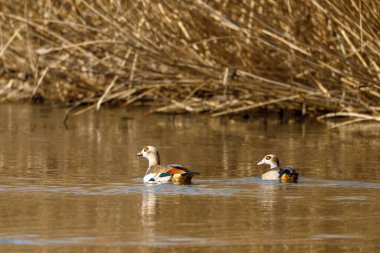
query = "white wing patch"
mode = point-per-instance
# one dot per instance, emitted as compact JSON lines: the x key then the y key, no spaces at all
{"x":152,"y":178}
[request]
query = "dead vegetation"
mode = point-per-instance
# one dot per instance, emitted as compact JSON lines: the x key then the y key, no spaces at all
{"x":219,"y":57}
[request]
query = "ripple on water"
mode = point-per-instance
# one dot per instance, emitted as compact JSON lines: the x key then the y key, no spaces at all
{"x":335,"y":236}
{"x":167,"y":241}
{"x":32,"y":239}
{"x":349,"y":198}
{"x":212,"y":187}
{"x":120,"y":189}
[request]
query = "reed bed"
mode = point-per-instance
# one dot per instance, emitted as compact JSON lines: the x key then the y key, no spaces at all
{"x":319,"y":57}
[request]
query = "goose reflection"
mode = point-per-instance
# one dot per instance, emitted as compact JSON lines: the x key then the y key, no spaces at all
{"x":149,"y":213}
{"x":148,"y":205}
{"x":268,"y":193}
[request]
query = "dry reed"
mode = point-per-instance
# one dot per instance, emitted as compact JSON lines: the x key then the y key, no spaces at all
{"x":220,"y":57}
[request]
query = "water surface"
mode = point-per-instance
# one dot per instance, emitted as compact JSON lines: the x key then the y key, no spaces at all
{"x":80,"y":189}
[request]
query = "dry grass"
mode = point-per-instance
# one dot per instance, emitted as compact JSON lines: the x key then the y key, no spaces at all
{"x":219,"y":57}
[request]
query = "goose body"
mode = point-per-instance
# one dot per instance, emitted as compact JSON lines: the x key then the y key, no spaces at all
{"x":282,"y":174}
{"x":157,"y":173}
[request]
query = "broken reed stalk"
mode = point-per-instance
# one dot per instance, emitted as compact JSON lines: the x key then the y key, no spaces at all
{"x":349,"y":114}
{"x":108,"y":90}
{"x":4,"y":48}
{"x":250,"y":107}
{"x":313,"y":56}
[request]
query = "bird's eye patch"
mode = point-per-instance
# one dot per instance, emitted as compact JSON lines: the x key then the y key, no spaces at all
{"x":146,"y":149}
{"x":268,"y":157}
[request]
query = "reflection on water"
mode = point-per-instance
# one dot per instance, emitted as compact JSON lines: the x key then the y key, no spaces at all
{"x":148,"y":212}
{"x":80,"y":189}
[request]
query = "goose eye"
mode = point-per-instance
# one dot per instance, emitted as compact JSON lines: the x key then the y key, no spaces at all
{"x":146,"y":149}
{"x":268,"y":157}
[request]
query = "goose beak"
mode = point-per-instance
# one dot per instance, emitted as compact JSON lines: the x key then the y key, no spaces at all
{"x":261,"y":162}
{"x":139,"y":154}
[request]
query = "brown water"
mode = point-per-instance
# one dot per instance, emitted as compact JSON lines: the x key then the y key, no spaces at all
{"x":80,"y":189}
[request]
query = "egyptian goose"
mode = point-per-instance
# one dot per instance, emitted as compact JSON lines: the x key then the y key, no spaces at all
{"x":282,"y":174}
{"x":157,"y":173}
